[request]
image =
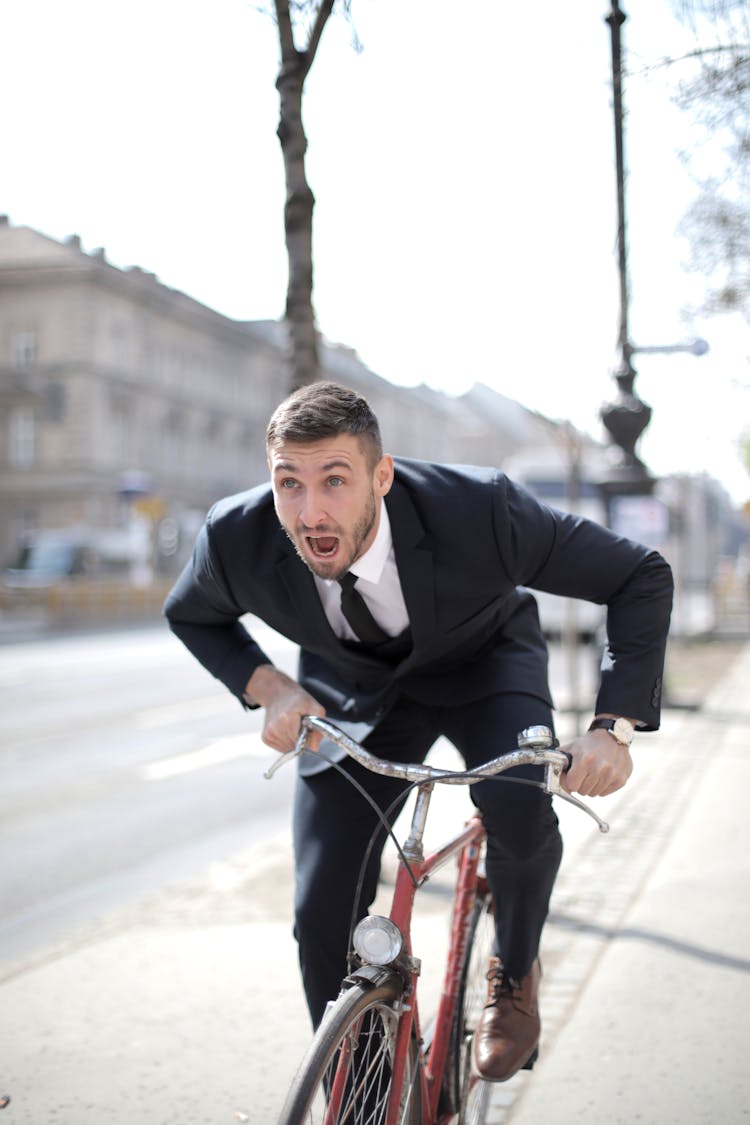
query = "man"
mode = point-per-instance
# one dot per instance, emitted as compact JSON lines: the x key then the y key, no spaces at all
{"x":439,"y":637}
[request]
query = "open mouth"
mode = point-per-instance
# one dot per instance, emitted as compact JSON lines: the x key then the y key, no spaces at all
{"x":323,"y":546}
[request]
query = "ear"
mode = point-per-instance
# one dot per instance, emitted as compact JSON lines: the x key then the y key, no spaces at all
{"x":383,"y":475}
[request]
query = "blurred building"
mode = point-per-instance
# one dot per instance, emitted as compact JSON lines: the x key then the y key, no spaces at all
{"x":127,"y":408}
{"x":113,"y":387}
{"x":122,"y":397}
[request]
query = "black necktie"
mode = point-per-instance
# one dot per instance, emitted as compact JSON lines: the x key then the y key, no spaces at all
{"x":358,"y":615}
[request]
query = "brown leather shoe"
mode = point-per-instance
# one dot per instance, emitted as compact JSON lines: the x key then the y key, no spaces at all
{"x":507,"y":1036}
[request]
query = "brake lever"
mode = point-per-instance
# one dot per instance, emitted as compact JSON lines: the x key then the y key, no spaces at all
{"x":289,"y":755}
{"x":553,"y":772}
{"x":603,"y":826}
{"x":280,"y":760}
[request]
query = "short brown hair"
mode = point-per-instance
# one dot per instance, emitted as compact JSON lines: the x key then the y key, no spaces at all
{"x":323,"y":410}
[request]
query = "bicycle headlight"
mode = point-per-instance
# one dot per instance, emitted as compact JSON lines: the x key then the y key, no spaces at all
{"x":377,"y":940}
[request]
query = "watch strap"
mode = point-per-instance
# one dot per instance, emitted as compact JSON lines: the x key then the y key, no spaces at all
{"x":621,"y":729}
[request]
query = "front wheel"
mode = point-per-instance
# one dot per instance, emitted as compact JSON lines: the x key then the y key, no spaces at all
{"x":345,"y":1078}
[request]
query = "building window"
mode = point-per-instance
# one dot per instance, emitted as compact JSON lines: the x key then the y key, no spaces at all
{"x":21,"y":437}
{"x":23,"y":349}
{"x":53,"y":409}
{"x":121,"y":446}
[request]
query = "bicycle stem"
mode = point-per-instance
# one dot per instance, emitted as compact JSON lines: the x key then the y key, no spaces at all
{"x":413,"y":848}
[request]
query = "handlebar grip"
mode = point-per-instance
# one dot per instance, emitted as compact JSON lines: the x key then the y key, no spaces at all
{"x":570,"y":760}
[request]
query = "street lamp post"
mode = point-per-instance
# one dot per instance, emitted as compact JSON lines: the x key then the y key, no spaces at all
{"x":627,"y":416}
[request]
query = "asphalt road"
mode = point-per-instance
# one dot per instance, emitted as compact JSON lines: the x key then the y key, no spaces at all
{"x":126,"y":768}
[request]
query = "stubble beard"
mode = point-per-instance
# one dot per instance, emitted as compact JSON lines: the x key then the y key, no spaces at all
{"x":360,"y":532}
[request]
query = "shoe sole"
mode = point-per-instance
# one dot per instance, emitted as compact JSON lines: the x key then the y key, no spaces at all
{"x":528,"y":1065}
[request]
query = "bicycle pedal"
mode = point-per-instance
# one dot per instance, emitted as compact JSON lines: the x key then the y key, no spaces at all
{"x":529,"y":1064}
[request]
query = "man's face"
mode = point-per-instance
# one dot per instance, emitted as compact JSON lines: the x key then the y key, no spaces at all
{"x":327,"y":497}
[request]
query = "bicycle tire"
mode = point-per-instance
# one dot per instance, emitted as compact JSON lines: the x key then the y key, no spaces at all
{"x":470,"y":1096}
{"x":363,"y":1016}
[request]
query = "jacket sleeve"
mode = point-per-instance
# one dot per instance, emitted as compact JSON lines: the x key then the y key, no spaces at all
{"x":574,"y":557}
{"x":202,"y":612}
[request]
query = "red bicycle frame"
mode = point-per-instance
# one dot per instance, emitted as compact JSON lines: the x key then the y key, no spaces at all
{"x":468,"y":845}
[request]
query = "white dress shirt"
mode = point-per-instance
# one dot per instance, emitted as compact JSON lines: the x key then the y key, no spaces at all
{"x":378,"y":583}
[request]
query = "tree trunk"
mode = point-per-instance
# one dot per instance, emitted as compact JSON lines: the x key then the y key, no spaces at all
{"x":302,"y":336}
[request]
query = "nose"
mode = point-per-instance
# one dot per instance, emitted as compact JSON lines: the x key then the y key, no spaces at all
{"x":311,"y":510}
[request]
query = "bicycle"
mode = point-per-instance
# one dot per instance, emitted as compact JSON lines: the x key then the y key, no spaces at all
{"x":371,"y":1062}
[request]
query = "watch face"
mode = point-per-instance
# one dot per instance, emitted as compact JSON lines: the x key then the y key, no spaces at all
{"x":623,"y":731}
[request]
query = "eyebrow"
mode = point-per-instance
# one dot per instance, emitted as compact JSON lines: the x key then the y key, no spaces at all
{"x":290,"y":467}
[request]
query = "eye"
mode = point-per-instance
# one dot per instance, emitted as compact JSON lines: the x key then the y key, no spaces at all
{"x":287,"y":484}
{"x":335,"y":481}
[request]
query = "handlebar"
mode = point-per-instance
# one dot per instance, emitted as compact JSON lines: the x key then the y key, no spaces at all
{"x":537,"y":747}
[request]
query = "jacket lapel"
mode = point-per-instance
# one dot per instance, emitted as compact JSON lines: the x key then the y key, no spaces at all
{"x":299,"y":585}
{"x":415,"y":567}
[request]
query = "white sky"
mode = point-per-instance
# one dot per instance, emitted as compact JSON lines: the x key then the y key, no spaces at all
{"x":464,"y":173}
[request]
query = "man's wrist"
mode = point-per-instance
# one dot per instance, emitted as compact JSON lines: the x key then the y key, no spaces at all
{"x":621,"y":729}
{"x":264,"y":681}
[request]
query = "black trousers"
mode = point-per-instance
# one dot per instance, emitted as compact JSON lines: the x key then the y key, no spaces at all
{"x":333,"y":825}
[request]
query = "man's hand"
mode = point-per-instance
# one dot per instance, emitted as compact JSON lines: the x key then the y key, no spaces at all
{"x":285,"y":703}
{"x":600,"y":765}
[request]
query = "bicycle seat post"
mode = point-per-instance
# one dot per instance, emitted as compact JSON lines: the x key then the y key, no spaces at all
{"x":413,"y":849}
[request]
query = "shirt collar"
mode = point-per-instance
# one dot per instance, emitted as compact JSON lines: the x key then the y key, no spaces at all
{"x":370,"y":565}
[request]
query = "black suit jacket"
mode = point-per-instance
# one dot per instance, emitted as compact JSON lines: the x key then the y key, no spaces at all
{"x":468,"y":543}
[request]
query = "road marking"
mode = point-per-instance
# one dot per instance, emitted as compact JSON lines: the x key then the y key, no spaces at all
{"x":168,"y":713}
{"x":227,"y":749}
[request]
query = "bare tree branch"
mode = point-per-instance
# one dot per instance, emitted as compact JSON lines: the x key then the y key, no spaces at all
{"x":716,"y":92}
{"x":286,"y":33}
{"x":321,"y":18}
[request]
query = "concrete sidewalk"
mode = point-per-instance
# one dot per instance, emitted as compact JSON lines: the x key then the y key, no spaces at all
{"x":656,"y":1028}
{"x":188,"y":1008}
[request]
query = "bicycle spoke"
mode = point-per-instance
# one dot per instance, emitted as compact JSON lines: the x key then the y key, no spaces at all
{"x":476,"y":1102}
{"x":367,"y":1076}
{"x":349,"y":1079}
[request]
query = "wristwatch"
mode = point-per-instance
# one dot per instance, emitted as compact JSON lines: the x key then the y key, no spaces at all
{"x":622,"y":730}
